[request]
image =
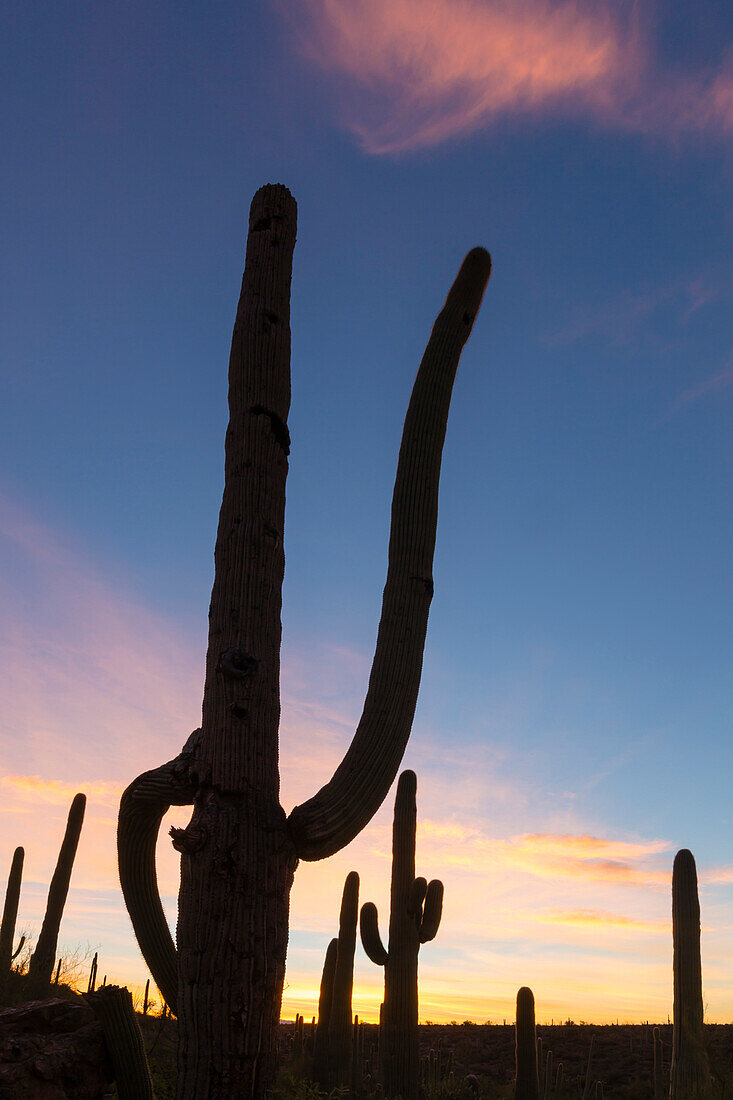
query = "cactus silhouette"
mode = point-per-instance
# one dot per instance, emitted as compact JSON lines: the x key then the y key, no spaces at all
{"x":689,"y":1073}
{"x":10,"y":915}
{"x":527,"y":1083}
{"x":43,"y":958}
{"x":415,"y":910}
{"x":239,"y":852}
{"x":325,"y":1000}
{"x":340,"y":1026}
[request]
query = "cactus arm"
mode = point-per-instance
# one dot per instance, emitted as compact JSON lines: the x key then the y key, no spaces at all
{"x":417,"y":897}
{"x":370,"y":938}
{"x":10,"y":914}
{"x":338,"y":812}
{"x":40,"y":967}
{"x":432,"y":911}
{"x":142,"y":808}
{"x":18,"y":949}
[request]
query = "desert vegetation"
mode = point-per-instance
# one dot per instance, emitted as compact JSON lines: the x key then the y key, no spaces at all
{"x":218,"y":1033}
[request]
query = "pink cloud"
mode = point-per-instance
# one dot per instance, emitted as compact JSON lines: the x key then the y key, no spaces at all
{"x":418,"y":72}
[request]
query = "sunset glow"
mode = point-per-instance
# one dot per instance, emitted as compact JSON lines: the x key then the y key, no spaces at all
{"x":573,"y":726}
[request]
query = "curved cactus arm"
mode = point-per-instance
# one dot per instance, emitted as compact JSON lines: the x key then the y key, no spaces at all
{"x":432,"y":912}
{"x":18,"y":949}
{"x":417,"y":897}
{"x":370,"y":938}
{"x":341,"y":809}
{"x":142,"y":808}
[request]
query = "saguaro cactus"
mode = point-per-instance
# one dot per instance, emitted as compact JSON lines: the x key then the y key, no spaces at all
{"x":43,"y":958}
{"x":239,"y":852}
{"x":527,"y":1084}
{"x":690,"y":1072}
{"x":10,"y":915}
{"x":415,"y":910}
{"x":340,"y":1027}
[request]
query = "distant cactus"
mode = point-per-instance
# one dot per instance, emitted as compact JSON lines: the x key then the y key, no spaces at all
{"x":658,"y":1066}
{"x":690,"y":1070}
{"x":93,"y":974}
{"x":415,"y":911}
{"x":325,"y":1000}
{"x":10,"y":914}
{"x":41,"y":964}
{"x":340,"y":1026}
{"x":527,"y":1085}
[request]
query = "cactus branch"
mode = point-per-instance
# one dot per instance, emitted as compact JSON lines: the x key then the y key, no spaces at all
{"x":10,"y":914}
{"x":371,"y":941}
{"x":142,"y":808}
{"x":432,"y":911}
{"x":338,"y":812}
{"x":40,"y":968}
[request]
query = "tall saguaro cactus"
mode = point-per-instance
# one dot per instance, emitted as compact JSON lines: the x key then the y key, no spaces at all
{"x":239,"y":852}
{"x":10,"y":915}
{"x":690,"y":1071}
{"x":415,"y":910}
{"x":43,"y":958}
{"x":527,"y":1083}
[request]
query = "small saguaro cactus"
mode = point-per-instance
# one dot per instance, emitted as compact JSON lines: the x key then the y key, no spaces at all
{"x":10,"y":915}
{"x":340,"y":1026}
{"x":43,"y":958}
{"x":690,"y":1071}
{"x":527,"y":1083}
{"x":240,"y":850}
{"x":415,"y":910}
{"x":325,"y":1000}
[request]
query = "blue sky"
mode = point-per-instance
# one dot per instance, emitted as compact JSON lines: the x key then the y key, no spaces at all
{"x":577,"y":678}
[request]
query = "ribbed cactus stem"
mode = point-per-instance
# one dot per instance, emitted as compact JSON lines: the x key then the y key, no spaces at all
{"x":10,"y":915}
{"x":113,"y":1008}
{"x":325,"y":1001}
{"x":690,"y":1070}
{"x":415,"y":912}
{"x":527,"y":1083}
{"x":341,"y":1025}
{"x":43,"y":958}
{"x":229,"y":1005}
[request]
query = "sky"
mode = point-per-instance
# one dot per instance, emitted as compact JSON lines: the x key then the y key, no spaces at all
{"x":573,"y":726}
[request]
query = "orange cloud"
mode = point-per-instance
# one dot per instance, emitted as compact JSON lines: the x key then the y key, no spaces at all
{"x":428,"y":70}
{"x":596,"y":919}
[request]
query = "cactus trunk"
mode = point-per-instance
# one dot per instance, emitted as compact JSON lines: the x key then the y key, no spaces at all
{"x":340,"y":1028}
{"x":415,"y":911}
{"x":239,"y":853}
{"x":10,"y":915}
{"x":325,"y":1000}
{"x":690,"y":1072}
{"x":43,"y":958}
{"x":527,"y":1083}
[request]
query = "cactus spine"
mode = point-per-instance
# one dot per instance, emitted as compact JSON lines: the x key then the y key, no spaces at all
{"x":41,"y":964}
{"x":340,"y":1026}
{"x":229,"y":1006}
{"x":10,"y":915}
{"x":415,"y":911}
{"x":690,"y":1071}
{"x":527,"y":1083}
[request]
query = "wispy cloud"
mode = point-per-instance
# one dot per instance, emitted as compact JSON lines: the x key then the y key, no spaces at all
{"x":417,"y":72}
{"x":714,"y":384}
{"x":597,"y":920}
